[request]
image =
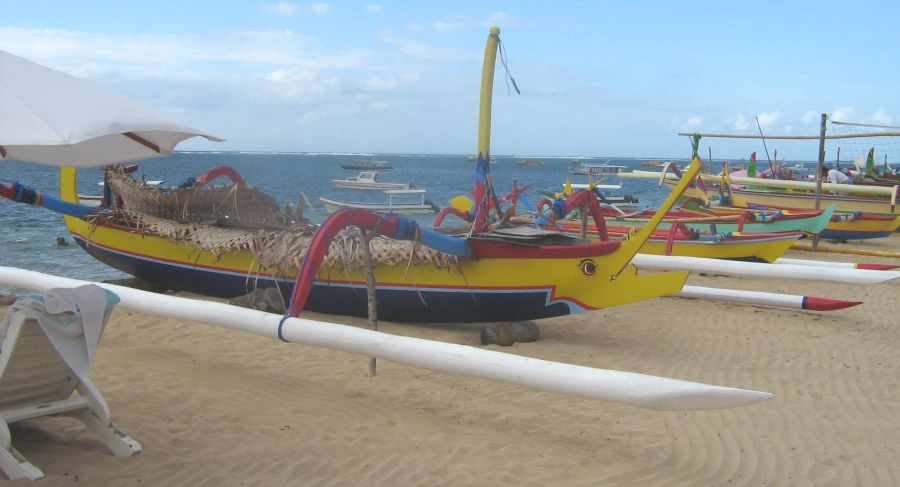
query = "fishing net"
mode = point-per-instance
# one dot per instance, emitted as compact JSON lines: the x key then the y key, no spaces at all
{"x":861,"y":138}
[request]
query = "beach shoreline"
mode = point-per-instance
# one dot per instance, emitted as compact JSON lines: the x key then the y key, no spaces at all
{"x":222,"y":407}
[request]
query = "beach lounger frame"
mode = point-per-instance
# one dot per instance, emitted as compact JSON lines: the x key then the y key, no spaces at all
{"x":35,"y":381}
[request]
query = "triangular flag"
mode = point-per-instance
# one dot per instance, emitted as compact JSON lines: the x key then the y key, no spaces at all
{"x":463,"y":203}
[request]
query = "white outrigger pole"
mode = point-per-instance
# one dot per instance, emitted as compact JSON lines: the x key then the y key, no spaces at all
{"x":630,"y":388}
{"x":755,"y":269}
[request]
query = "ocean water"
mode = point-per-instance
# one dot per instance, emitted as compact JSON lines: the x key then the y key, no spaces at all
{"x":28,"y":238}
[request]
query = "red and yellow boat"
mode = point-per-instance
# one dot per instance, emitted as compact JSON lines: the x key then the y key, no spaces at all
{"x":854,"y":217}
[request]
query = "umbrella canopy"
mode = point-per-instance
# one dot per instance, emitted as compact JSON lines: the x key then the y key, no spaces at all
{"x":52,"y":118}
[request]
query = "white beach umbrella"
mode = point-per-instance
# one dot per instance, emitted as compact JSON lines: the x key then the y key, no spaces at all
{"x":52,"y":118}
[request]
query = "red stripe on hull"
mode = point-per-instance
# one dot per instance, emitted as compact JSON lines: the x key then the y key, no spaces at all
{"x":877,"y":267}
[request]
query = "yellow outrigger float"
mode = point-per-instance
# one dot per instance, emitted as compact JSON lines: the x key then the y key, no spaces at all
{"x":477,"y":277}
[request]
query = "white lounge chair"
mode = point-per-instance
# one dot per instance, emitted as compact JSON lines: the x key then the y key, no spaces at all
{"x":37,"y":380}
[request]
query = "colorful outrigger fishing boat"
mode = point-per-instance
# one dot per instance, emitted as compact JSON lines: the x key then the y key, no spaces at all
{"x":683,"y":233}
{"x":858,"y":215}
{"x":721,"y":219}
{"x":863,"y":216}
{"x":477,"y":274}
{"x":682,"y":240}
{"x":493,"y":278}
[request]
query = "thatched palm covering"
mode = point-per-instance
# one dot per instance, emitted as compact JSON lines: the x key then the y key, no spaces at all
{"x":216,"y":220}
{"x":237,"y":205}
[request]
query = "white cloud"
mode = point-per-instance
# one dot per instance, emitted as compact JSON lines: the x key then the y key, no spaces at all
{"x":441,"y":26}
{"x":881,"y":117}
{"x":693,"y":122}
{"x":320,"y":8}
{"x":284,"y":9}
{"x":410,"y":76}
{"x":424,"y":50}
{"x":372,"y":9}
{"x":741,"y":123}
{"x":769,"y":119}
{"x":447,"y":27}
{"x":453,"y":25}
{"x":811,"y":117}
{"x":501,"y":18}
{"x":378,"y":83}
{"x":299,"y":85}
{"x":161,"y":56}
{"x":844,"y":114}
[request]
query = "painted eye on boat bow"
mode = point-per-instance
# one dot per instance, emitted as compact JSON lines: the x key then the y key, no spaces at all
{"x":588,"y":267}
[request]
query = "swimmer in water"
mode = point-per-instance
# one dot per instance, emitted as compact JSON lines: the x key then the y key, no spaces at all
{"x":61,"y":241}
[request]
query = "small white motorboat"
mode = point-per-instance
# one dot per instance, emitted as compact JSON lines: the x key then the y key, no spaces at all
{"x":368,"y":180}
{"x":418,"y":207}
{"x":599,"y":170}
{"x":610,"y":193}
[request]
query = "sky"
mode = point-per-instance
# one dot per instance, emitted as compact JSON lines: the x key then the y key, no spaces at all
{"x":597,"y":78}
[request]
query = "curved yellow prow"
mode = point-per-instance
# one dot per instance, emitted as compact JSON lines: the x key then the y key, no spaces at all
{"x":487,"y":90}
{"x":68,"y":191}
{"x":631,"y":246}
{"x":68,"y":184}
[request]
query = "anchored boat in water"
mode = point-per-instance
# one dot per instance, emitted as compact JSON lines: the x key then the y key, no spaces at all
{"x":403,"y":206}
{"x":368,"y":180}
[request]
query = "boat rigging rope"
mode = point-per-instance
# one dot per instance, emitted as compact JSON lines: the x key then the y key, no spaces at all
{"x":509,"y":77}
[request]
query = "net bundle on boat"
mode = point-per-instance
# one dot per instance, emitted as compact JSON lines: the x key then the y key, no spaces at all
{"x":232,"y":220}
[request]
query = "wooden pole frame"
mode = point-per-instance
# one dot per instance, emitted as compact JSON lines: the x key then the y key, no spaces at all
{"x":792,"y":137}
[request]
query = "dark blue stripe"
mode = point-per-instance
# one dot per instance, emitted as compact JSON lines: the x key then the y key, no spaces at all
{"x":850,"y":235}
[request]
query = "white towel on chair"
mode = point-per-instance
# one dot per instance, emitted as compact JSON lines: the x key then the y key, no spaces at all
{"x":73,"y":320}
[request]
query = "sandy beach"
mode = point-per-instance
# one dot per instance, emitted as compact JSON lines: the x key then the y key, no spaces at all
{"x":216,"y":407}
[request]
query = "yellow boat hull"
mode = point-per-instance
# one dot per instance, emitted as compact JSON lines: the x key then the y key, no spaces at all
{"x":766,"y":250}
{"x":504,"y":282}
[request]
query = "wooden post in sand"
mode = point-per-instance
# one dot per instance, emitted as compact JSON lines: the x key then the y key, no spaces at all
{"x":370,"y":290}
{"x":820,"y":171}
